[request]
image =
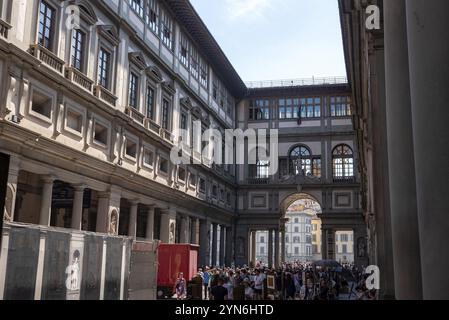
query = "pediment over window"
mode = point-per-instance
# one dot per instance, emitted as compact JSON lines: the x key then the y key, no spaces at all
{"x":196,"y":111}
{"x":155,"y":74}
{"x":87,"y":13}
{"x":138,"y":59}
{"x":169,"y":86}
{"x":187,"y":102}
{"x":110,"y":33}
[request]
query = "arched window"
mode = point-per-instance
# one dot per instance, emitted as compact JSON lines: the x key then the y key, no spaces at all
{"x":302,"y":154}
{"x":343,"y":162}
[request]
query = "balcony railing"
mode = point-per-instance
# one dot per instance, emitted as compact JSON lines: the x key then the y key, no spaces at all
{"x":47,"y":57}
{"x":135,"y":114}
{"x":258,"y":181}
{"x":4,"y":29}
{"x":344,"y":179}
{"x":79,"y":78}
{"x":296,"y":82}
{"x":105,"y":95}
{"x":153,"y":126}
{"x":167,"y":135}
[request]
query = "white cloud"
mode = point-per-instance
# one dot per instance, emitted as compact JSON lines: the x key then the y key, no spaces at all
{"x":244,"y":8}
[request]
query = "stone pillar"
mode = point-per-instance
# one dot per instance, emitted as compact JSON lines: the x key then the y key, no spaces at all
{"x":214,"y":244}
{"x":328,"y":244}
{"x":193,"y":229}
{"x":253,"y":247}
{"x":11,"y":191}
{"x":47,"y":194}
{"x":270,"y":248}
{"x":150,"y":224}
{"x":229,"y":246}
{"x":183,"y":231}
{"x":223,"y":241}
{"x":205,"y":242}
{"x":427,"y":31}
{"x":77,"y":211}
{"x":283,"y":244}
{"x":132,"y":228}
{"x":168,"y":226}
{"x":276,"y":249}
{"x":404,"y":215}
{"x":108,"y":212}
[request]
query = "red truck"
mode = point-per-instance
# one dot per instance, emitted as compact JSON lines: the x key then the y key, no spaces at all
{"x":172,"y":260}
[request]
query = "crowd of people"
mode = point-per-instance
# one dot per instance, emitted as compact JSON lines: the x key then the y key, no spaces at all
{"x":291,"y":281}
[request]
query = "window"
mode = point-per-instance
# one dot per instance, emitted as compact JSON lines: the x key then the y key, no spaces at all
{"x":47,"y":21}
{"x":214,"y":191}
{"x":148,"y":158}
{"x":137,"y":6}
{"x":184,"y":51}
{"x":181,"y":174}
{"x":104,"y":68}
{"x":153,"y":16}
{"x":166,"y":29}
{"x":262,"y":239}
{"x":194,"y":62}
{"x":343,"y":162}
{"x":202,"y":185}
{"x":289,"y":108}
{"x":131,"y":148}
{"x":296,"y":220}
{"x":74,"y":120}
{"x":316,"y":168}
{"x":215,"y":88}
{"x":204,"y":73}
{"x":344,"y":248}
{"x":192,"y":180}
{"x":296,"y":250}
{"x":259,"y":109}
{"x":262,"y":250}
{"x":166,"y":114}
{"x":78,"y":49}
{"x":344,"y":238}
{"x":296,"y":229}
{"x":228,"y":198}
{"x":340,"y":106}
{"x":163,"y":166}
{"x":303,"y":156}
{"x":310,"y":108}
{"x":100,"y":133}
{"x":150,"y":102}
{"x":296,"y":239}
{"x":41,"y":104}
{"x":133,"y":90}
{"x":183,"y":126}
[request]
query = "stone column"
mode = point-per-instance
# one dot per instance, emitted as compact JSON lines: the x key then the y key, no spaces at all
{"x":223,"y":241}
{"x":193,"y":231}
{"x":11,"y":191}
{"x":150,"y":224}
{"x":276,"y":248}
{"x":183,"y":231}
{"x":404,"y":215}
{"x":168,"y":225}
{"x":205,"y":242}
{"x":47,"y":194}
{"x":428,"y":48}
{"x":132,"y":228}
{"x":77,"y":211}
{"x":270,"y":248}
{"x":214,"y":244}
{"x":108,"y":212}
{"x":253,"y":247}
{"x":229,"y":246}
{"x":283,"y":244}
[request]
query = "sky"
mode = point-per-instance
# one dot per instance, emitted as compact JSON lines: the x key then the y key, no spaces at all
{"x":277,"y":39}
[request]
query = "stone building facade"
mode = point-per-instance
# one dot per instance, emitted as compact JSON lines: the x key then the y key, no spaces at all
{"x":89,"y":116}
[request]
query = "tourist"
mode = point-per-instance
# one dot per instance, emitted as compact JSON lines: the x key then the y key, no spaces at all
{"x":219,"y":292}
{"x":180,"y":287}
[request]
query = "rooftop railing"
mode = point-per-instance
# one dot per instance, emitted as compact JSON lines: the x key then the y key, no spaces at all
{"x":314,"y":81}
